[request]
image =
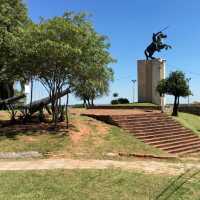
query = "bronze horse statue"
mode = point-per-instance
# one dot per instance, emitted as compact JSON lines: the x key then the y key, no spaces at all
{"x":156,"y":45}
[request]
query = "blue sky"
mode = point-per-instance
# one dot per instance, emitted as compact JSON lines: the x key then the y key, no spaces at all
{"x":129,"y":24}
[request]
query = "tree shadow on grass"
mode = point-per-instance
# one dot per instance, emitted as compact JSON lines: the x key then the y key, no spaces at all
{"x":33,"y":129}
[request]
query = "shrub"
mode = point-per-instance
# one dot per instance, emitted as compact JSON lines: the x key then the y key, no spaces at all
{"x":120,"y":101}
{"x":113,"y":102}
{"x":123,"y":101}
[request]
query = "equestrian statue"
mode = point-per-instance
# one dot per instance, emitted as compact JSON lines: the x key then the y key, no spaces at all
{"x":156,"y":45}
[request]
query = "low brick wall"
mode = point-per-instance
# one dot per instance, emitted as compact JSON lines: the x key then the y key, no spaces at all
{"x":127,"y":107}
{"x":192,"y":109}
{"x":104,"y":118}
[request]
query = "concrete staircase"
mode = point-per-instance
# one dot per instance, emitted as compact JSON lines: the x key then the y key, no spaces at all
{"x":159,"y":130}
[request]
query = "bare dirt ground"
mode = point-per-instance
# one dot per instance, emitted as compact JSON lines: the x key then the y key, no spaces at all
{"x":84,"y":129}
{"x":145,"y":166}
{"x":35,"y":128}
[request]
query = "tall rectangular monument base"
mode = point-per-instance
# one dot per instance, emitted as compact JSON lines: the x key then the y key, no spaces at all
{"x":150,"y":72}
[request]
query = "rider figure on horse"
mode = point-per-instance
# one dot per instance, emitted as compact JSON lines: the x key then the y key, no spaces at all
{"x":156,"y":45}
{"x":157,"y":40}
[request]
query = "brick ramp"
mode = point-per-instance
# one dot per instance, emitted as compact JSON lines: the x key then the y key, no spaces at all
{"x":156,"y":129}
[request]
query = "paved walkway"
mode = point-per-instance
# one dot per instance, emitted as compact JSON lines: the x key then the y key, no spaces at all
{"x":146,"y":166}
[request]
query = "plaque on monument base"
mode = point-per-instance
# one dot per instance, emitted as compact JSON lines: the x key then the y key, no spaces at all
{"x":150,"y":72}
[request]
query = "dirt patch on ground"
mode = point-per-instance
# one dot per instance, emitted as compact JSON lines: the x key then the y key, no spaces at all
{"x":34,"y":129}
{"x":83,"y":131}
{"x":100,"y":127}
{"x":86,"y":127}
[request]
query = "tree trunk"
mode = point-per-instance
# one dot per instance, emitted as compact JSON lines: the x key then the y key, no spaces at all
{"x":92,"y":101}
{"x":53,"y":108}
{"x":66,"y":110}
{"x":84,"y":103}
{"x":31,"y":99}
{"x":56,"y":111}
{"x":178,"y":104}
{"x":88,"y":100}
{"x":175,"y":108}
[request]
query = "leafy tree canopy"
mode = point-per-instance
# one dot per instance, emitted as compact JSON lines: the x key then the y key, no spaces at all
{"x":13,"y":17}
{"x":177,"y":85}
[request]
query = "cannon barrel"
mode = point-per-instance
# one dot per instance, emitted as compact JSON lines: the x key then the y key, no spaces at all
{"x":39,"y":104}
{"x":12,"y":99}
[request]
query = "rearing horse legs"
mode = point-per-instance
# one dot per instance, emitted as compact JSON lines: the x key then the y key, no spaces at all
{"x":165,"y":46}
{"x":149,"y":55}
{"x":146,"y":54}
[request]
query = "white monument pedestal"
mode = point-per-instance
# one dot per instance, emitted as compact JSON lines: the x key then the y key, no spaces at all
{"x":150,"y":72}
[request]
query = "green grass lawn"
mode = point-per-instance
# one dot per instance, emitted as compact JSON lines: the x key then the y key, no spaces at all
{"x":190,"y":121}
{"x":91,"y":185}
{"x":43,"y":143}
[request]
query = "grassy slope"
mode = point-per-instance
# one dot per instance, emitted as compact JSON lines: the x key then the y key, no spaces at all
{"x":94,"y":145}
{"x":98,"y":145}
{"x":190,"y":121}
{"x":89,"y":184}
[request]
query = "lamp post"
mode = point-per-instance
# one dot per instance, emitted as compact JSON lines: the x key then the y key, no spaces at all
{"x":134,"y":81}
{"x":188,"y":80}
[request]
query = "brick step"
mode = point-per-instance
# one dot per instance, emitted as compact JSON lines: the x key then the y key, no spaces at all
{"x":191,"y":151}
{"x":165,"y":145}
{"x":180,"y":146}
{"x":164,"y":122}
{"x":156,"y":127}
{"x":152,"y":130}
{"x":184,"y":149}
{"x":147,"y":119}
{"x":164,"y":138}
{"x":141,"y":116}
{"x":155,"y":135}
{"x":148,"y":137}
{"x":158,"y":130}
{"x":144,"y":123}
{"x":149,"y":131}
{"x":174,"y":139}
